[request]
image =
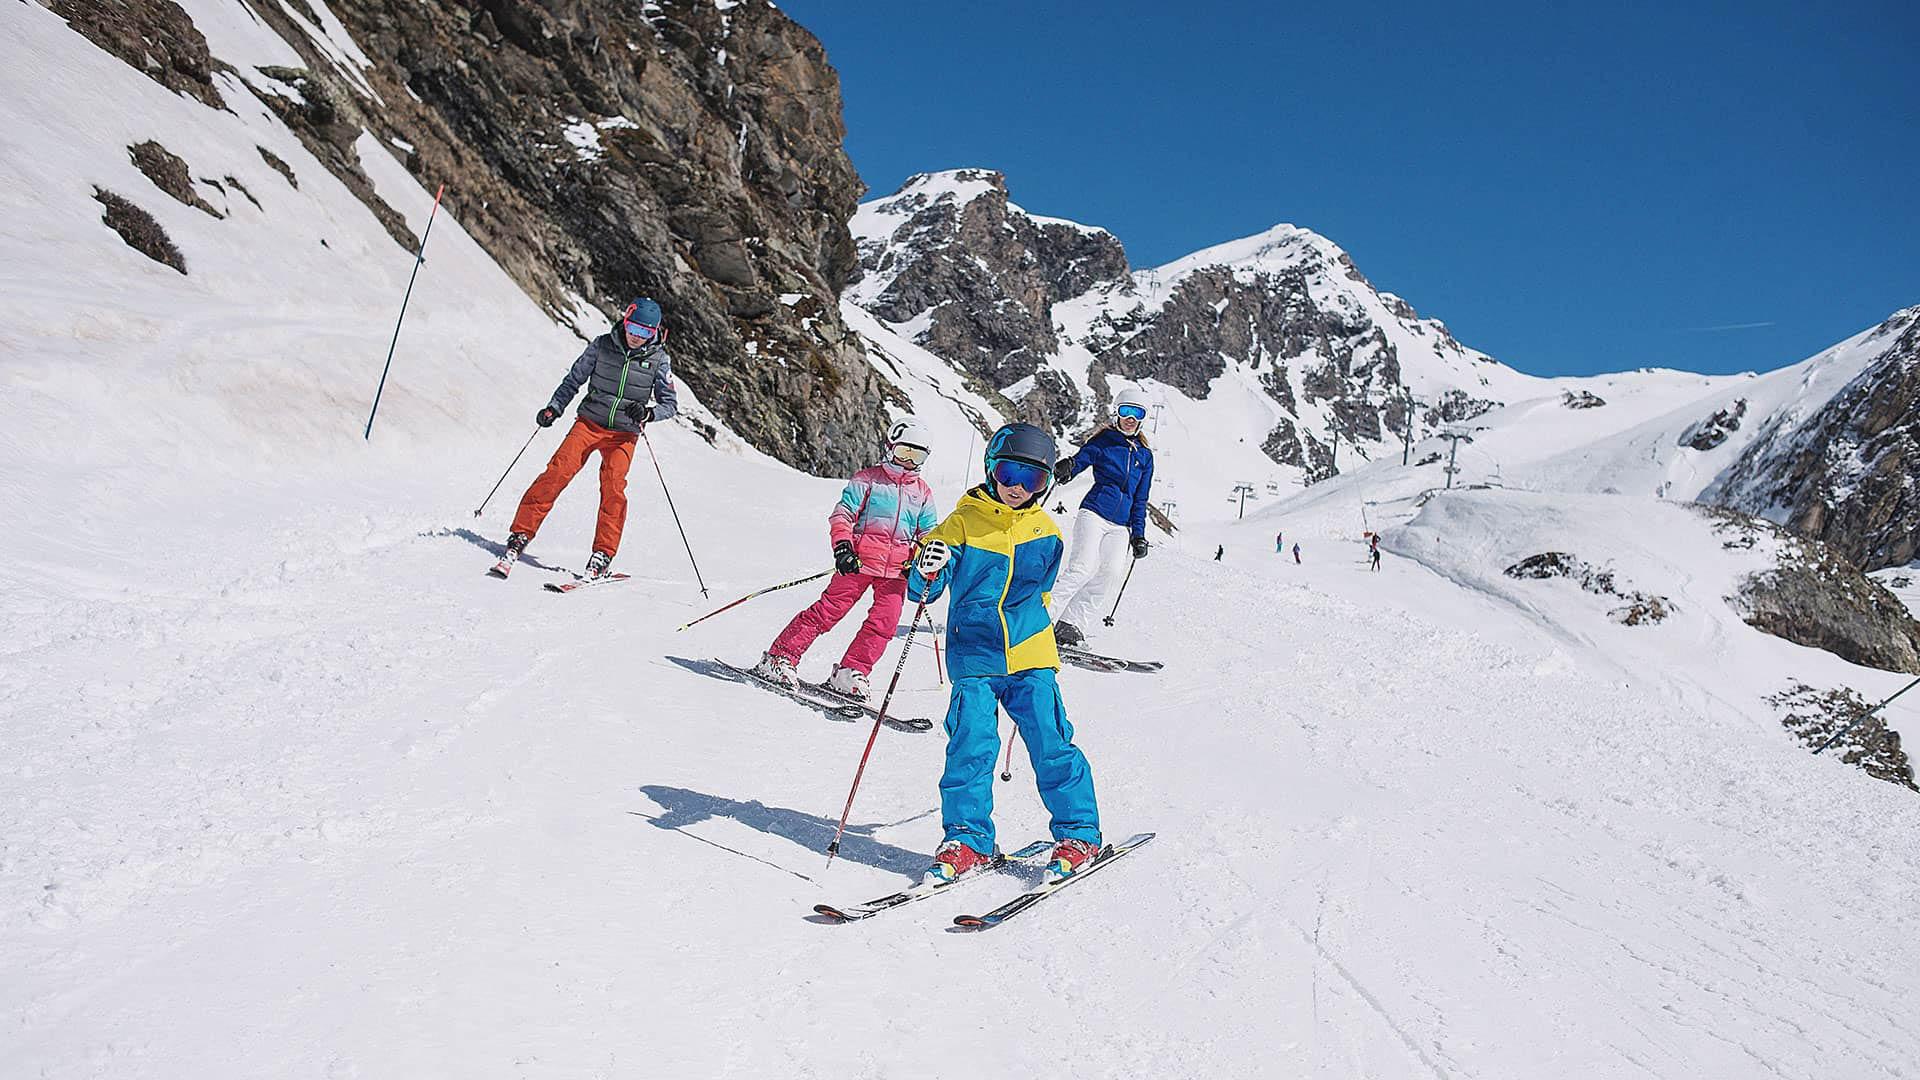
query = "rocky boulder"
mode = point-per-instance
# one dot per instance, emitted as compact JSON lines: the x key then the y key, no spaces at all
{"x":1815,"y":596}
{"x":1714,"y":430}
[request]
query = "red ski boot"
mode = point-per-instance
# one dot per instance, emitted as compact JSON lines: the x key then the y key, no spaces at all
{"x":1069,"y":856}
{"x":954,"y":859}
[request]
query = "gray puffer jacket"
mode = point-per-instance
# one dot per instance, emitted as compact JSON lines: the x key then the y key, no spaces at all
{"x":615,"y":378}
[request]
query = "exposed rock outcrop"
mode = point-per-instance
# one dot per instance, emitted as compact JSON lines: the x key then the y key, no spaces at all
{"x":1815,"y":596}
{"x":139,"y":229}
{"x":675,"y":148}
{"x":1815,"y":716}
{"x":169,"y":174}
{"x":1714,"y":430}
{"x":1849,"y":475}
{"x":1640,"y":608}
{"x":977,"y":274}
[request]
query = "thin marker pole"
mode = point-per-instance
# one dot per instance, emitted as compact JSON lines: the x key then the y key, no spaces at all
{"x":419,"y":257}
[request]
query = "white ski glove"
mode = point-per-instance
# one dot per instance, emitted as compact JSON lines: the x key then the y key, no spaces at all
{"x":933,"y":558}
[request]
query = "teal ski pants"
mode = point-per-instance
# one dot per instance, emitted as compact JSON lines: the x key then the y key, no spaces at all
{"x":1032,"y":699}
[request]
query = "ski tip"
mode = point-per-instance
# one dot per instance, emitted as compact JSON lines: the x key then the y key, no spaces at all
{"x":832,"y":913}
{"x":975,"y":922}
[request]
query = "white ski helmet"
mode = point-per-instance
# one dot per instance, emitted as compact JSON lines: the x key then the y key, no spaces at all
{"x":910,"y":433}
{"x":1135,"y":397}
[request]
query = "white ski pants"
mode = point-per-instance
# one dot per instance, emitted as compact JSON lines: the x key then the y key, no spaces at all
{"x":1097,"y":560}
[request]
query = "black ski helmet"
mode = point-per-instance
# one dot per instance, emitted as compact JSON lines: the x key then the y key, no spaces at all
{"x":1021,"y":442}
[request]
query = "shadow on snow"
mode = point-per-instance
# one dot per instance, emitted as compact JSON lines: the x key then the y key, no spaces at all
{"x":494,"y":548}
{"x":683,"y":808}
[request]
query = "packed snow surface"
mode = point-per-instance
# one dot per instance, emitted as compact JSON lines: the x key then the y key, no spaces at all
{"x":291,"y":789}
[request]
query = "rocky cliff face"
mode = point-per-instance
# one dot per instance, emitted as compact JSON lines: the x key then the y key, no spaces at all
{"x":598,"y":151}
{"x":976,"y":275}
{"x":1850,"y":474}
{"x":1045,"y":311}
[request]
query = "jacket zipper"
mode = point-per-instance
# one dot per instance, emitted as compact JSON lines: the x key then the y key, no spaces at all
{"x":618,"y":392}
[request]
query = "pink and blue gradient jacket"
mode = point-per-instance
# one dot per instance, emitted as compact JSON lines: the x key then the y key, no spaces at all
{"x":884,"y":510}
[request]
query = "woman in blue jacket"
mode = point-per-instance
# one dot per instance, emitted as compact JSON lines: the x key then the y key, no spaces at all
{"x":1112,"y":522}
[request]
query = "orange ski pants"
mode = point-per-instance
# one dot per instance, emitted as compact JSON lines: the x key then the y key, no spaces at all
{"x":616,"y":454}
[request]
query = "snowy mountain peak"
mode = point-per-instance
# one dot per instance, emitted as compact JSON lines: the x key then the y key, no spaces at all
{"x":1282,"y":247}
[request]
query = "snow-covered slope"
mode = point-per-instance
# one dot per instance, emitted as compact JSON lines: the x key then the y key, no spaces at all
{"x":290,"y":789}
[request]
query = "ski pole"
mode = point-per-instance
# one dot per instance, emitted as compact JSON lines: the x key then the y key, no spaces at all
{"x":676,"y":513}
{"x":1006,"y":771}
{"x":834,"y":848}
{"x":419,"y":257}
{"x":1123,"y":591}
{"x":503,"y":476}
{"x":759,"y":592}
{"x":1856,"y":720}
{"x":939,"y":666}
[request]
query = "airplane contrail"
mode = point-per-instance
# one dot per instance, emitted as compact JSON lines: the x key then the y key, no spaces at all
{"x":1728,"y":326}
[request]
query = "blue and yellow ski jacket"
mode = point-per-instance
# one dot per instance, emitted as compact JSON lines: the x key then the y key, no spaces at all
{"x":1003,"y":566}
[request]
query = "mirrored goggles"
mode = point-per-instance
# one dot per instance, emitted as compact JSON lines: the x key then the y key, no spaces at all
{"x":915,"y":456}
{"x":1132,"y":412}
{"x":1021,"y":474}
{"x":642,"y":331}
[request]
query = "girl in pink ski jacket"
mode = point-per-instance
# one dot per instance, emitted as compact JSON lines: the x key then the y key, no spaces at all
{"x":881,"y":515}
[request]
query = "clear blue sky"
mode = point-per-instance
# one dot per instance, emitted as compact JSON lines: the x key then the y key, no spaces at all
{"x":1573,"y":191}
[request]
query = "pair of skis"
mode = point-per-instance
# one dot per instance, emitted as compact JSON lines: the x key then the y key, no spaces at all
{"x":819,"y":697}
{"x":580,"y":581}
{"x":1032,"y":853}
{"x":1093,"y":661}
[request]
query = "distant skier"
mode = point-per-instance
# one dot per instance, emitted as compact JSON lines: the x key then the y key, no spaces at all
{"x":1218,"y":552}
{"x":1112,"y":518}
{"x":1279,"y":543}
{"x":883,"y":512}
{"x":629,"y":383}
{"x":1296,"y":553}
{"x":1373,"y":550}
{"x":999,"y":552}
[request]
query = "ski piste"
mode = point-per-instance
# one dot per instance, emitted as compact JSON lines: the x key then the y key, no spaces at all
{"x":1025,"y":900}
{"x":579,"y":582}
{"x":1099,"y":662}
{"x":821,"y":698}
{"x":923,"y":888}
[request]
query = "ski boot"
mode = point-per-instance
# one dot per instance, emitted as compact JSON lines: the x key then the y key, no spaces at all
{"x":849,"y":683}
{"x":516,"y":543}
{"x":1069,"y":856}
{"x":777,"y":670}
{"x":1067,"y":634}
{"x":597,"y":566}
{"x":953,"y":859}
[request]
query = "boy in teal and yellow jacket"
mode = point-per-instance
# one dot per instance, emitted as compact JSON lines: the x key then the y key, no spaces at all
{"x":999,"y":553}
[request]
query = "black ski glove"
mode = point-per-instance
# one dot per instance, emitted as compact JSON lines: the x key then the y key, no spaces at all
{"x":547,"y":416}
{"x":640,"y":413}
{"x":1139,"y":547}
{"x":844,"y":560}
{"x":1063,"y":469}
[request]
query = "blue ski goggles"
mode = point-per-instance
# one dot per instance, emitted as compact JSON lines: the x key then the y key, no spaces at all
{"x":1021,"y":474}
{"x":1132,"y":412}
{"x":642,"y":332}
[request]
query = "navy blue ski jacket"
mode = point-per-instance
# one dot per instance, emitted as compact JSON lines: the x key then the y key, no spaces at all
{"x":1122,"y":475}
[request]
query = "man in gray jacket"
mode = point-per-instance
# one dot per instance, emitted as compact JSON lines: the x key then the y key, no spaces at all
{"x":629,"y":385}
